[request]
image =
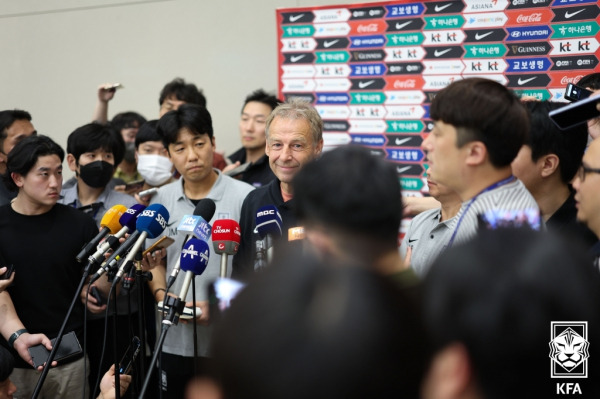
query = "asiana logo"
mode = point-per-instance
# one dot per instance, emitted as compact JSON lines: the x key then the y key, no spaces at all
{"x":569,"y":349}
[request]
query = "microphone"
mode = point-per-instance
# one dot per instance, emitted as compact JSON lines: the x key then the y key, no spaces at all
{"x":151,"y":223}
{"x":193,"y":259}
{"x":127,"y":220}
{"x":194,"y":225}
{"x":226,"y":240}
{"x":268,"y":226}
{"x":108,"y":224}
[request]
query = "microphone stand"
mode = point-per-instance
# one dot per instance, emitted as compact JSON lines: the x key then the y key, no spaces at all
{"x":176,"y":306}
{"x":141,"y":277}
{"x":40,"y":382}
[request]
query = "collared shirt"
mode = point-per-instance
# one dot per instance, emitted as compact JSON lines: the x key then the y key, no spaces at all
{"x":427,"y":237}
{"x":107,"y":199}
{"x":228,"y":195}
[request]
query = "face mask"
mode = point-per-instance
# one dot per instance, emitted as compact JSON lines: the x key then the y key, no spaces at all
{"x":129,"y":156}
{"x":96,"y":174}
{"x":155,"y":169}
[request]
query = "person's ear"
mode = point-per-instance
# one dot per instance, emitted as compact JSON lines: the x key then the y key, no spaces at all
{"x":476,"y":153}
{"x":549,"y":164}
{"x":72,"y":162}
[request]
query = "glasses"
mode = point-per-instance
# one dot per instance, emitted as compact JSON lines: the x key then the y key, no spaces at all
{"x":581,"y":172}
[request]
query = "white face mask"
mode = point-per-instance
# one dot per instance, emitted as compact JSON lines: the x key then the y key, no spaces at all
{"x":155,"y":169}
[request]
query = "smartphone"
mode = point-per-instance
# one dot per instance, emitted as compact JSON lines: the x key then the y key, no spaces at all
{"x":576,"y":93}
{"x":113,"y":86}
{"x":95,"y":292}
{"x":126,"y":363}
{"x":513,"y":218}
{"x":220,"y":295}
{"x":148,"y":193}
{"x":240,"y":169}
{"x":134,"y":185}
{"x":9,"y":271}
{"x":575,"y":113}
{"x":162,"y":242}
{"x":69,"y":346}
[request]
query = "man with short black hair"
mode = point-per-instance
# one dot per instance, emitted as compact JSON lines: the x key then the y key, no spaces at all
{"x":41,"y":238}
{"x":479,"y":127}
{"x":15,"y":125}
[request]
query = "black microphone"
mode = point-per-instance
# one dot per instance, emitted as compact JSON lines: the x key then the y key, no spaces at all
{"x":268,"y":226}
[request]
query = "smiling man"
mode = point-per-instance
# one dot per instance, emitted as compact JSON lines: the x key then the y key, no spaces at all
{"x":294,"y":137}
{"x":479,"y":127}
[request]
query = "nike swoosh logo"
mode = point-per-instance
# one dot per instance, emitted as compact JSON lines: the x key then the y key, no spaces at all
{"x":402,"y":170}
{"x":296,"y":17}
{"x":327,"y":44}
{"x":521,"y":82}
{"x":412,"y":240}
{"x":572,"y":14}
{"x":402,"y":141}
{"x":362,"y":85}
{"x":295,"y":58}
{"x":479,"y":37}
{"x":438,"y":53}
{"x":402,"y":25}
{"x":441,"y":8}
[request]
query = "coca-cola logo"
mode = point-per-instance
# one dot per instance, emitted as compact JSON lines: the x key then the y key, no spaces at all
{"x":370,"y":28}
{"x":525,"y":19}
{"x":405,"y":84}
{"x":573,"y":79}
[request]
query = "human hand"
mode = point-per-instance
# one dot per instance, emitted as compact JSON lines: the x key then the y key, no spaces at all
{"x":107,"y":384}
{"x":5,"y":283}
{"x":26,"y":341}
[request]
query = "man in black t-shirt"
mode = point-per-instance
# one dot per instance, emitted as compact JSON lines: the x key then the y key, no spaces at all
{"x":41,"y":239}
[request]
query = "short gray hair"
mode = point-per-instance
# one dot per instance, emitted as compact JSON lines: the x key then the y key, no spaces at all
{"x":297,"y":108}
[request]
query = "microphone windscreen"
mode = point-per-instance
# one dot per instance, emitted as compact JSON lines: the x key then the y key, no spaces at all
{"x":194,"y":225}
{"x":194,"y":256}
{"x":153,"y":220}
{"x":111,"y":218}
{"x":129,"y":217}
{"x":205,"y":208}
{"x":268,"y":221}
{"x":226,"y":236}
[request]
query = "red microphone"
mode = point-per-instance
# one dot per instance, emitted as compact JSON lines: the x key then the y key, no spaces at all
{"x":226,"y":236}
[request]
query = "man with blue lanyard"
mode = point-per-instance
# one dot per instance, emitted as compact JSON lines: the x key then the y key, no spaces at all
{"x":479,"y":127}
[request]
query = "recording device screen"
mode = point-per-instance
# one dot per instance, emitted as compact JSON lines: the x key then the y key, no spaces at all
{"x":221,"y":293}
{"x":575,"y":113}
{"x":497,"y":219}
{"x":126,"y":363}
{"x":576,"y":93}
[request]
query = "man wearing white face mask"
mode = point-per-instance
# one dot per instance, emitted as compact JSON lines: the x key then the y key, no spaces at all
{"x":153,"y":163}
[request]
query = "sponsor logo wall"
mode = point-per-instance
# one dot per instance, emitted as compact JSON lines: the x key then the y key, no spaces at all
{"x":371,"y":70}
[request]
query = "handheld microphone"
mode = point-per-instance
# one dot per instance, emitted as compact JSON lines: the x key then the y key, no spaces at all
{"x":109,"y":224}
{"x":151,"y":223}
{"x":268,"y":226}
{"x":127,"y":220}
{"x":193,"y":259}
{"x":194,"y":225}
{"x":226,"y":240}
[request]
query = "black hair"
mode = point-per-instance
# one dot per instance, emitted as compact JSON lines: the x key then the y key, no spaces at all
{"x":351,"y":190}
{"x":23,"y":157}
{"x":263,"y":97}
{"x":591,"y":81}
{"x":546,"y":138}
{"x":484,"y":110}
{"x":125,"y":120}
{"x":94,"y":136}
{"x":182,"y":91}
{"x":147,"y":132}
{"x":329,"y":332}
{"x":498,"y":294}
{"x":193,"y":117}
{"x":8,"y":117}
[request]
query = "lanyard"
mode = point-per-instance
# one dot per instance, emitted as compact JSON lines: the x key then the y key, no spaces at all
{"x":485,"y":190}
